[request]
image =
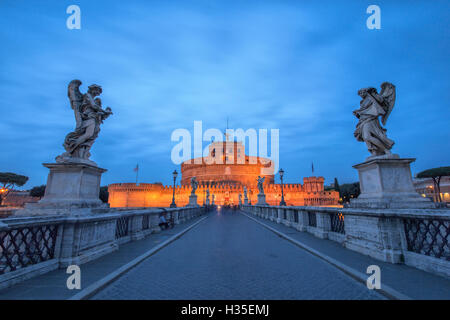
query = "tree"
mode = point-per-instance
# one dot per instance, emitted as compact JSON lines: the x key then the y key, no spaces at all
{"x":349,"y":191}
{"x":336,"y":185}
{"x":8,"y":180}
{"x":436,"y":174}
{"x":38,"y":191}
{"x":104,"y":194}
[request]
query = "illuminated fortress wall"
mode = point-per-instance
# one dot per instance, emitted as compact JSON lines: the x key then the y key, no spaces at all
{"x":225,"y":176}
{"x":311,"y":193}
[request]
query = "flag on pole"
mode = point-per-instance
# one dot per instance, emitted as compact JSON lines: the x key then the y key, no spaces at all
{"x":312,"y":167}
{"x":137,"y":171}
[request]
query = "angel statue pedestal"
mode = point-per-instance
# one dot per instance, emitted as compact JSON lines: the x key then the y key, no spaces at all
{"x":193,"y":201}
{"x":387,"y":184}
{"x":261,"y":200}
{"x":72,"y":189}
{"x":74,"y":184}
{"x":385,"y":178}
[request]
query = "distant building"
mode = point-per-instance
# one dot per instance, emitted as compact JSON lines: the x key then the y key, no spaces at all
{"x":426,"y":188}
{"x":225,"y":180}
{"x":19,"y":198}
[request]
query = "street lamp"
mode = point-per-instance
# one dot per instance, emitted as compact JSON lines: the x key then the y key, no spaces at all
{"x":175,"y":174}
{"x":282,"y":202}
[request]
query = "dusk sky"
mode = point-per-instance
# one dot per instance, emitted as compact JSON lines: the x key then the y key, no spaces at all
{"x":295,"y":66}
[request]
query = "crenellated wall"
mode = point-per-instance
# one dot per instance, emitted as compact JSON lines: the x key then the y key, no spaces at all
{"x":157,"y":195}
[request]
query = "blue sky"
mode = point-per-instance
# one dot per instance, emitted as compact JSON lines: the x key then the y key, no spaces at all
{"x":291,"y":65}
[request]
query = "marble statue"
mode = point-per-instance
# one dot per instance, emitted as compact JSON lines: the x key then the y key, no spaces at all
{"x":260,"y":184}
{"x":245,"y":193}
{"x":213,"y":198}
{"x":207,"y":196}
{"x":372,"y":106}
{"x":194,"y":185}
{"x":89,"y":115}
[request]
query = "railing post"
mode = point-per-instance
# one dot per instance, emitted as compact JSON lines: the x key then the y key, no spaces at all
{"x":136,"y":227}
{"x":279,"y":215}
{"x":79,"y":235}
{"x":66,"y":234}
{"x":302,"y":220}
{"x":181,"y":215}
{"x":176,"y":214}
{"x":381,"y":236}
{"x":323,"y":225}
{"x":153,"y":221}
{"x":288,"y":220}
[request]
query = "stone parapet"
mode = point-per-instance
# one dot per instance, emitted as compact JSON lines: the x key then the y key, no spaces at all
{"x":416,"y":237}
{"x":33,"y":245}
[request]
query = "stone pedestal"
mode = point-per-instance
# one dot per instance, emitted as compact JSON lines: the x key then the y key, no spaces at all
{"x":193,"y":201}
{"x":245,"y":201}
{"x":71,"y":188}
{"x":261,"y":200}
{"x":387,"y":183}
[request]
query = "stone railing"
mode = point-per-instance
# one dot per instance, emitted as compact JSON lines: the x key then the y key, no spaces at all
{"x":419,"y":238}
{"x":30,"y":246}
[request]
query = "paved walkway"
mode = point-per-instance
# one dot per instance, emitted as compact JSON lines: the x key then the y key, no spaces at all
{"x":229,"y":256}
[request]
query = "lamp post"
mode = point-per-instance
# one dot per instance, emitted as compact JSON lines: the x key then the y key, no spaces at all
{"x":175,"y":174}
{"x":282,"y":202}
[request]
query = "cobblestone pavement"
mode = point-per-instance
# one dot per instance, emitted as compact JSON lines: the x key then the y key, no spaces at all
{"x":229,"y":256}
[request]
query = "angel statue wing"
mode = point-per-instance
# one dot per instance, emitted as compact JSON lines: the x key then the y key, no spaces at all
{"x":388,"y":94}
{"x":76,"y":98}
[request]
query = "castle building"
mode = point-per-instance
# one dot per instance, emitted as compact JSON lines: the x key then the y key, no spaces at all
{"x":225,"y":171}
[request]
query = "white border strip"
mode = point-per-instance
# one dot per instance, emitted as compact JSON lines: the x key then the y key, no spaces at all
{"x":359,"y":276}
{"x":100,"y":284}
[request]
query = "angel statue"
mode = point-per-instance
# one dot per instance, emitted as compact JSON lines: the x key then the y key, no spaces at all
{"x":89,"y":114}
{"x":260,"y":184}
{"x":368,"y":129}
{"x":194,"y":185}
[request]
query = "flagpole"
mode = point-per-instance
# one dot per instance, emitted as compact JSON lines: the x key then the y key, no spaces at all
{"x":137,"y":172}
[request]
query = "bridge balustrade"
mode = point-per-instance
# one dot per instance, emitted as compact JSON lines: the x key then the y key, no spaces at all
{"x":419,"y":238}
{"x":34,"y":245}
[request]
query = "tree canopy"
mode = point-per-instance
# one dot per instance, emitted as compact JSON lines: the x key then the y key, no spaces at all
{"x":9,"y":179}
{"x":336,"y":185}
{"x":348,"y":191}
{"x":434,"y":172}
{"x":38,"y":191}
{"x":104,"y":194}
